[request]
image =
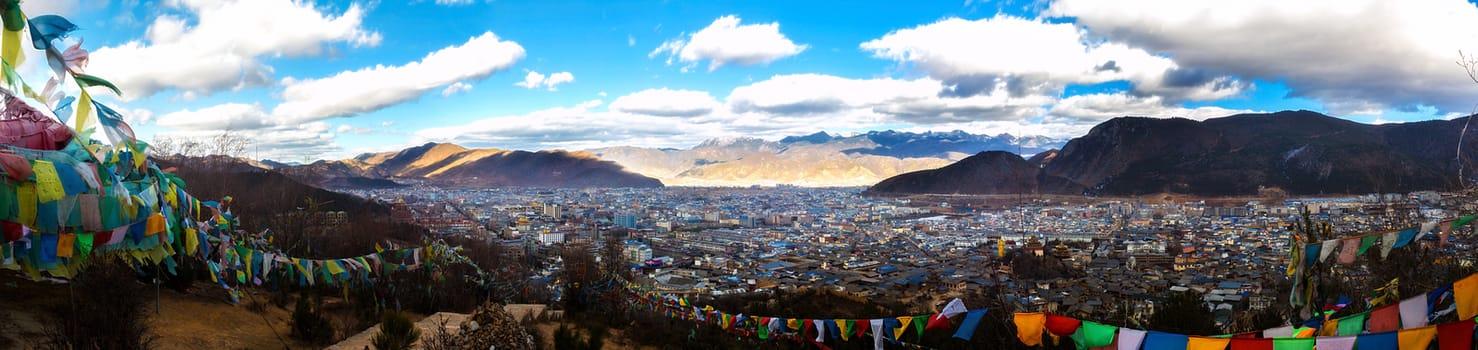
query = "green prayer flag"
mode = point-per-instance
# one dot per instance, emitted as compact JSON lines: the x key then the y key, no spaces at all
{"x":1293,"y":344}
{"x":918,"y":324}
{"x":1097,"y":334}
{"x":1462,"y":221}
{"x":764,"y":331}
{"x":1352,"y":324}
{"x":84,"y":244}
{"x":1366,"y":243}
{"x":1080,"y":341}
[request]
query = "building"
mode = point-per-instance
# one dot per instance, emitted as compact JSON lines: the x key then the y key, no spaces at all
{"x":551,"y":238}
{"x":553,"y":210}
{"x":625,"y":221}
{"x":637,"y":252}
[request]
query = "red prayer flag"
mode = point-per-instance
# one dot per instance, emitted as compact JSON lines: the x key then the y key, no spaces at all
{"x":13,"y":231}
{"x":1062,"y":326}
{"x":863,"y":325}
{"x":1385,"y":319}
{"x":1455,"y":336}
{"x":1252,"y":344}
{"x":937,"y":322}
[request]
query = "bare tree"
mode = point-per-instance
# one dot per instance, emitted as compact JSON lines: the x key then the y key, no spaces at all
{"x":1470,"y":66}
{"x":228,"y":144}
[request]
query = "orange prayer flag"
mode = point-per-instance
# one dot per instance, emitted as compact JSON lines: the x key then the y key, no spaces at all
{"x":65,"y":244}
{"x":1466,"y":292}
{"x":155,"y":224}
{"x":1416,"y":338}
{"x":1029,"y":327}
{"x":1207,"y":343}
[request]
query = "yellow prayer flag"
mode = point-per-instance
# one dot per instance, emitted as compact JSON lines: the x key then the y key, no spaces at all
{"x":192,"y":241}
{"x":84,"y":112}
{"x":10,"y":47}
{"x":26,"y":202}
{"x":898,"y":333}
{"x":333,"y":267}
{"x":48,"y":182}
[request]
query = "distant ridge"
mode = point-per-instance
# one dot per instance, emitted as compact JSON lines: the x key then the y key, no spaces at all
{"x":818,"y":159}
{"x":1301,"y":152}
{"x":451,"y":165}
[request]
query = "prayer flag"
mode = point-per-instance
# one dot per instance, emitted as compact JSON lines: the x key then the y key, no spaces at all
{"x":1279,"y":333}
{"x":1029,"y":327}
{"x":1404,"y":237}
{"x":1335,"y":343}
{"x":1097,"y":334}
{"x":1157,"y":340}
{"x":1130,"y":339}
{"x":967,"y":328}
{"x":1386,"y":340}
{"x":1466,"y":292}
{"x":1352,"y":325}
{"x":1252,"y":344}
{"x":1062,"y":325}
{"x":1366,"y":243}
{"x":1385,"y":319}
{"x":1414,"y":312}
{"x":1293,"y":344}
{"x":1207,"y":343}
{"x":1455,"y":335}
{"x":903,"y":326}
{"x":1348,"y":249}
{"x":1416,"y":338}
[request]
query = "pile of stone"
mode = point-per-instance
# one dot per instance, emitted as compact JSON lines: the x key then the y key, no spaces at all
{"x":489,"y":327}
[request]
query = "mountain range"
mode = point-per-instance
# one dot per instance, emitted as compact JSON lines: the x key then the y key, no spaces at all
{"x":450,"y":165}
{"x":819,"y":159}
{"x":1299,"y":152}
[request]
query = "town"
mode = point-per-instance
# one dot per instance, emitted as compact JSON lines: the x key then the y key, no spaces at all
{"x":1087,"y":257}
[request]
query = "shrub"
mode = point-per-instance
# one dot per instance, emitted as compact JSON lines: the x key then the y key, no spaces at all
{"x":105,"y":310}
{"x":397,"y":332}
{"x":308,"y":325}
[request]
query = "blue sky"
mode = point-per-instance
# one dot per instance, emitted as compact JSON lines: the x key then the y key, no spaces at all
{"x":311,"y":80}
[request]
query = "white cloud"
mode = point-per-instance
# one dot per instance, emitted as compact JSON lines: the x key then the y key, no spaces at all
{"x":138,"y":117}
{"x":575,"y":127}
{"x":225,"y":46}
{"x":455,"y":88}
{"x":1094,"y":108}
{"x":1032,"y":57}
{"x":366,"y":90}
{"x":725,"y":41}
{"x":534,"y":80}
{"x":630,"y":40}
{"x":666,"y":103}
{"x":228,"y":116}
{"x":49,"y":7}
{"x":455,"y":2}
{"x":1352,"y":55}
{"x":914,"y":101}
{"x":346,"y":129}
